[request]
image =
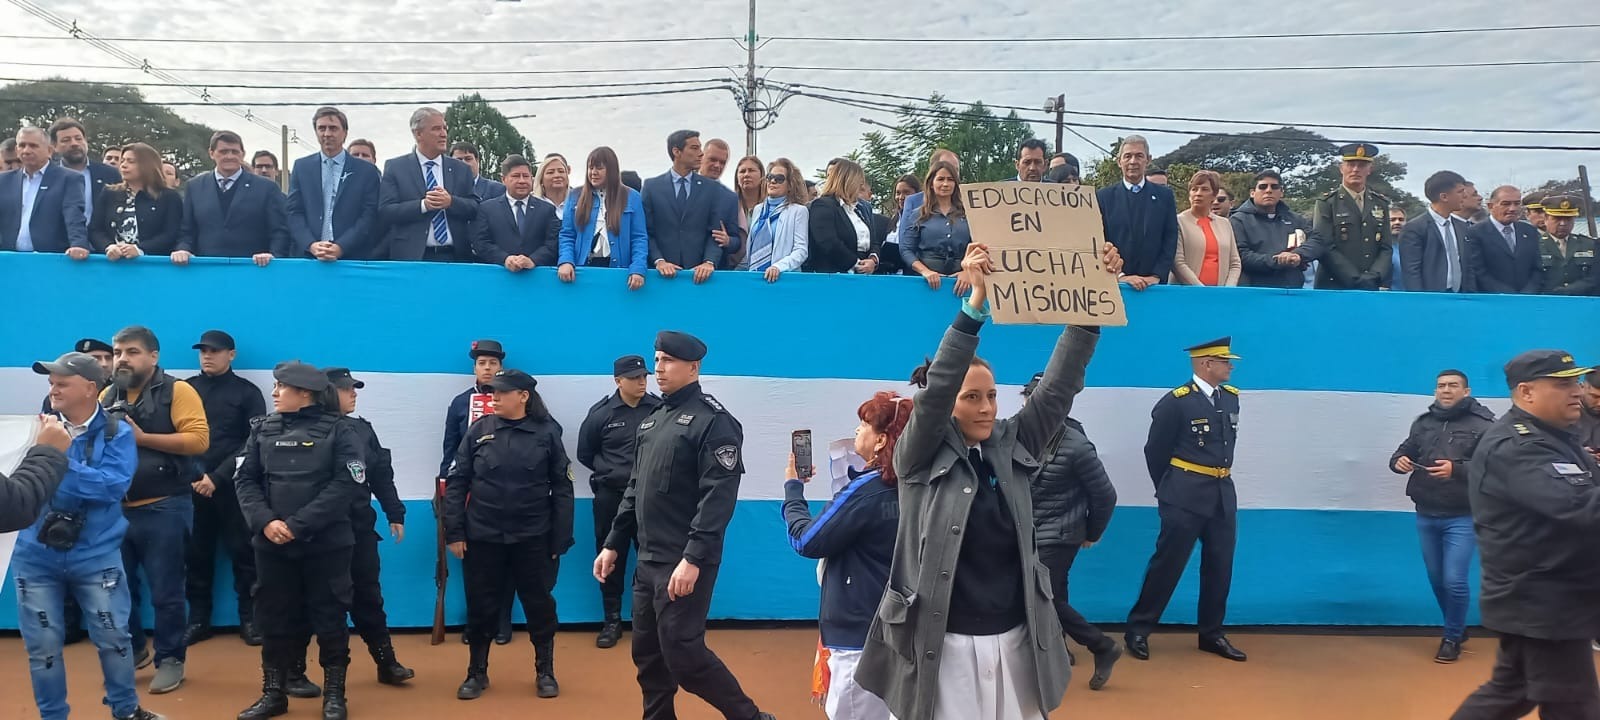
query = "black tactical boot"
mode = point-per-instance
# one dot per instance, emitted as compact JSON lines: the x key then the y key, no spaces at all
{"x":273,"y":702}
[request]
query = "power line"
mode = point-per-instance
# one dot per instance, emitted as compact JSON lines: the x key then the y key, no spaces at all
{"x":1217,"y":121}
{"x":948,"y":114}
{"x":369,"y":88}
{"x":339,"y":41}
{"x":1169,"y":38}
{"x":321,"y":71}
{"x":1197,"y":69}
{"x":362,"y":103}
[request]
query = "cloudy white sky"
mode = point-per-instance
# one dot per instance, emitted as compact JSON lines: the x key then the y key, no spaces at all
{"x":810,"y":131}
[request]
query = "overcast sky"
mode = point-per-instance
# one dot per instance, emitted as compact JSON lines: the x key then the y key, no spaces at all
{"x":810,"y":131}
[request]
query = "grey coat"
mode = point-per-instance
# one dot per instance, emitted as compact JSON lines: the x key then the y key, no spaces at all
{"x":900,"y":662}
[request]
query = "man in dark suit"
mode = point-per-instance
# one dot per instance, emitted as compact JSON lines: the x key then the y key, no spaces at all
{"x":468,"y":153}
{"x":41,"y":204}
{"x":687,"y":216}
{"x":1435,"y":252}
{"x":71,"y":144}
{"x":333,"y":198}
{"x":265,"y":164}
{"x":427,"y":201}
{"x":230,"y":212}
{"x":516,"y":230}
{"x":1508,"y":249}
{"x":1140,"y":218}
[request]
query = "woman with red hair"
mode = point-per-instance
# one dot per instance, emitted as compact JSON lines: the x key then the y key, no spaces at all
{"x":855,"y":536}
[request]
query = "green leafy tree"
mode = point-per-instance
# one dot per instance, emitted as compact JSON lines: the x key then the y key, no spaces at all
{"x":1571,"y":188}
{"x":1308,"y":161}
{"x":987,"y":144}
{"x":472,"y":119}
{"x":113,"y":115}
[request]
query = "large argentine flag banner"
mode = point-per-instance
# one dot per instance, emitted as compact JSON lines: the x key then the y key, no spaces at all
{"x":1331,"y":381}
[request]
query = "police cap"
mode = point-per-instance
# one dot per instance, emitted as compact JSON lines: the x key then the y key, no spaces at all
{"x":513,"y":380}
{"x":300,"y":375}
{"x":1536,"y":364}
{"x":682,"y":346}
{"x":73,"y":363}
{"x":491,"y":348}
{"x":341,"y":378}
{"x":629,"y":366}
{"x":1218,"y":348}
{"x":91,"y":345}
{"x":1359,"y":152}
{"x":215,"y":340}
{"x":1560,"y":206}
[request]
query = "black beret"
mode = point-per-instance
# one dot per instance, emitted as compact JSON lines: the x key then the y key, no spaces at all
{"x":298,"y":374}
{"x":682,"y":346}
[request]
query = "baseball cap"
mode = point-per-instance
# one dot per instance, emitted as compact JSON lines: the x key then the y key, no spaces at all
{"x":513,"y":380}
{"x":1536,"y":364}
{"x":629,"y":366}
{"x":215,"y":340}
{"x":73,"y":363}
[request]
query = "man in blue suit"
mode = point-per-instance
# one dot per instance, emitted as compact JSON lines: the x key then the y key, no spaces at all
{"x":1508,"y":249}
{"x":468,"y":153}
{"x":41,"y":204}
{"x":427,"y":200}
{"x":230,"y":212}
{"x":516,"y":231}
{"x":1435,"y":252}
{"x":689,"y":218}
{"x":71,"y":143}
{"x":1140,"y":218}
{"x":333,"y":198}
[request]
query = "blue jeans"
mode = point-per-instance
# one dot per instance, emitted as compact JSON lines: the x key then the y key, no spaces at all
{"x":1447,"y":547}
{"x":158,"y":536}
{"x":100,"y":587}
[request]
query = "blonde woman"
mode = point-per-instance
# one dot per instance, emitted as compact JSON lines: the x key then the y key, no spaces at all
{"x":1207,"y":253}
{"x":554,"y":182}
{"x":779,"y":235}
{"x":844,"y":236}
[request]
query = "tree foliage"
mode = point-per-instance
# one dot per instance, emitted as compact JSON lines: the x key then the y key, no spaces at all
{"x":1571,"y":188}
{"x":472,"y":119}
{"x":117,"y":115}
{"x":986,"y":144}
{"x":1308,"y":161}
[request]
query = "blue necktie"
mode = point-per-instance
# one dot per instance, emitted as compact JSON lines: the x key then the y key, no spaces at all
{"x":521,"y":216}
{"x":441,"y":227}
{"x":330,"y":194}
{"x":683,"y":189}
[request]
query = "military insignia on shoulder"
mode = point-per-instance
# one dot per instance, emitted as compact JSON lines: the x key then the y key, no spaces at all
{"x":1375,"y":195}
{"x":1521,"y":429}
{"x":728,"y":456}
{"x":717,"y":406}
{"x":256,"y":421}
{"x":1231,"y":389}
{"x":358,"y":471}
{"x":483,"y":439}
{"x":1182,"y":391}
{"x":1330,"y":194}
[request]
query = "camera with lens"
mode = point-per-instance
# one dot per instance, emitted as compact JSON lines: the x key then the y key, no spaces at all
{"x":61,"y":529}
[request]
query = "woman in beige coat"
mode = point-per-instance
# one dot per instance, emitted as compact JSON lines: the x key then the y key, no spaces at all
{"x":1207,"y":254}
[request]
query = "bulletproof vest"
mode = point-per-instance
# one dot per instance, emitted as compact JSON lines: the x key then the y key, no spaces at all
{"x":296,"y":461}
{"x":159,"y":474}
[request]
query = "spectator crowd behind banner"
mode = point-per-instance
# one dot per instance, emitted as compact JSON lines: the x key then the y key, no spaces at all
{"x":434,"y":204}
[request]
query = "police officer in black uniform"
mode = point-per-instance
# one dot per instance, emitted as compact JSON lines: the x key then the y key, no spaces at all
{"x":515,"y":468}
{"x":1537,"y":513}
{"x":679,"y":499}
{"x":606,"y":446}
{"x":366,"y":604}
{"x":1190,"y":457}
{"x":298,"y":475}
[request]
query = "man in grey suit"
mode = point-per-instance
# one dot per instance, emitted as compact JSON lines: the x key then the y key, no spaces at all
{"x":1507,"y":246}
{"x":426,"y":201}
{"x":1435,"y":253}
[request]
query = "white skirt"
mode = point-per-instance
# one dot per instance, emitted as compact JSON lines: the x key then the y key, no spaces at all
{"x":847,"y":700}
{"x":988,"y":677}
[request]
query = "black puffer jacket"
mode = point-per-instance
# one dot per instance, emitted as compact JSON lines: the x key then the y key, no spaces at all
{"x":26,"y":493}
{"x":1072,"y":496}
{"x":1443,"y":434}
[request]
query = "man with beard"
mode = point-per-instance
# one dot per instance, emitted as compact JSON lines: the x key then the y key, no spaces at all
{"x":1435,"y":455}
{"x":170,"y":430}
{"x":71,"y":144}
{"x":230,"y":403}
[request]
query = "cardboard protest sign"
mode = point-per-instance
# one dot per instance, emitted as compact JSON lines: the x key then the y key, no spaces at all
{"x":1045,"y":240}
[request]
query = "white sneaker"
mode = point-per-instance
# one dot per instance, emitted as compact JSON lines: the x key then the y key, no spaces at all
{"x":1595,"y":644}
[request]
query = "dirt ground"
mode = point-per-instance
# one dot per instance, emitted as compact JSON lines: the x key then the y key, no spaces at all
{"x":1288,"y":676}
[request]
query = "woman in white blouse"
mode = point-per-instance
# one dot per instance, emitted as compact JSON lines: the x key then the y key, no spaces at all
{"x":780,"y":232}
{"x":555,"y":182}
{"x":842,"y":230}
{"x":1207,"y":253}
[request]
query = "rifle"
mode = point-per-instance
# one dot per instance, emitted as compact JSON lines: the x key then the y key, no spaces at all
{"x":441,"y":566}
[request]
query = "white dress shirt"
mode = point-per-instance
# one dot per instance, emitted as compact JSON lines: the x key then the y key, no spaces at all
{"x":31,"y":185}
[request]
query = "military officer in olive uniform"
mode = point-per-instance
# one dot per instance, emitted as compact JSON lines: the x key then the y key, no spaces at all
{"x":1190,"y":457}
{"x":1533,"y":209}
{"x":300,"y":470}
{"x":1536,"y":510}
{"x":1354,"y":221}
{"x":680,"y":497}
{"x":1566,"y":257}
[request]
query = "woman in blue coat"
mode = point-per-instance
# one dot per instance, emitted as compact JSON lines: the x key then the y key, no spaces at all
{"x":620,"y":240}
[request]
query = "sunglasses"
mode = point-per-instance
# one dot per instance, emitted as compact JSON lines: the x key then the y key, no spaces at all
{"x":1269,"y":186}
{"x":777,"y":178}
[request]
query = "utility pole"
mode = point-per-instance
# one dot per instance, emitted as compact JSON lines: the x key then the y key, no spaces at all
{"x":1588,"y":208}
{"x":1058,"y":105}
{"x":750,"y":85}
{"x":283,"y":165}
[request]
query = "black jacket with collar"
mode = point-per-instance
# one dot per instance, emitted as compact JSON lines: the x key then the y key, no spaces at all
{"x":1073,"y":497}
{"x":1443,"y":434}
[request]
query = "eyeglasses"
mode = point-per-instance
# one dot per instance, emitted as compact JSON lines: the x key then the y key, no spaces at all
{"x":777,"y":178}
{"x":1268,"y":186}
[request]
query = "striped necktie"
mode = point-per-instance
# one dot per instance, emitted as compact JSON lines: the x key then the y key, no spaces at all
{"x":441,"y":227}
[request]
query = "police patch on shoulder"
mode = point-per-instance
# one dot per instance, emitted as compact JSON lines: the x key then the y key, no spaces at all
{"x":483,"y":439}
{"x":1231,"y":389}
{"x":728,"y":456}
{"x":358,"y":471}
{"x":1180,"y":392}
{"x":717,"y":406}
{"x":684,"y":419}
{"x":1521,"y":429}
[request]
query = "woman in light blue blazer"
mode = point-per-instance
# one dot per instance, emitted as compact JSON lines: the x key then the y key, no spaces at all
{"x":620,"y":240}
{"x":780,"y":232}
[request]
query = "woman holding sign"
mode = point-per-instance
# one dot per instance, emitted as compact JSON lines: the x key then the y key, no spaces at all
{"x":966,"y":628}
{"x":1207,"y":254}
{"x":936,"y":240}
